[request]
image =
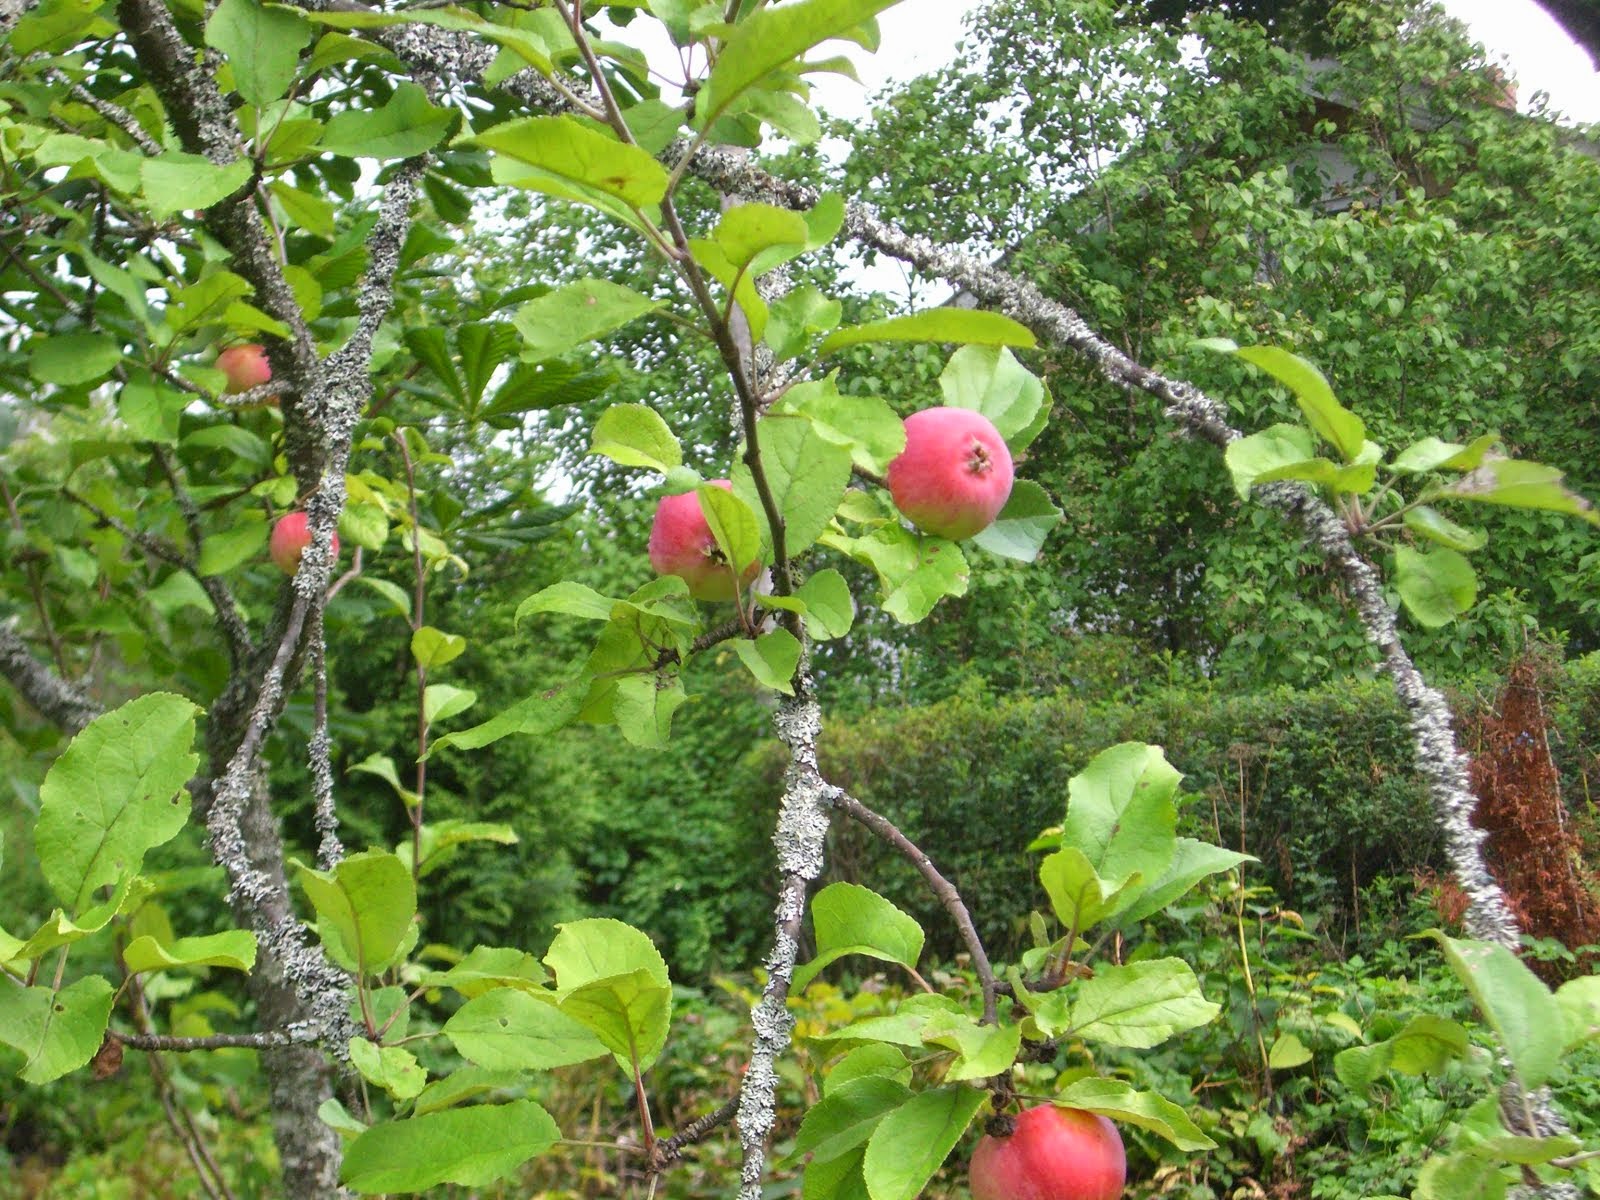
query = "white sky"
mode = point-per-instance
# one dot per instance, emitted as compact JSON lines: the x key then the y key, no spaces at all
{"x":921,"y":35}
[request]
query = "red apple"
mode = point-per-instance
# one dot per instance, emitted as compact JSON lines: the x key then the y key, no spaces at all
{"x":954,"y":476}
{"x":245,"y":366}
{"x":290,"y":536}
{"x":1053,"y":1154}
{"x":681,"y":544}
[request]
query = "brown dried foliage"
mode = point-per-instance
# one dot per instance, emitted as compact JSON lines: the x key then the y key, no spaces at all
{"x":1534,"y":848}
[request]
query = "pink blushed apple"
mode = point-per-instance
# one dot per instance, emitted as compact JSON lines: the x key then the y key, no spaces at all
{"x":245,"y":366}
{"x":954,"y":476}
{"x":290,"y":536}
{"x":1052,"y":1154}
{"x":681,"y":544}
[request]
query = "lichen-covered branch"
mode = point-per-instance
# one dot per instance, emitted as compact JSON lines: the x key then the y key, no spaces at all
{"x":800,"y":839}
{"x":51,"y":696}
{"x":941,"y":887}
{"x":261,"y":1040}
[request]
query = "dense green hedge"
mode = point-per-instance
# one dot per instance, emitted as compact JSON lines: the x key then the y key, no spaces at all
{"x":1317,"y":784}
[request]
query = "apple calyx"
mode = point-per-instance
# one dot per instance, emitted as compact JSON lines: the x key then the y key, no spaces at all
{"x":682,"y":544}
{"x":954,"y":475}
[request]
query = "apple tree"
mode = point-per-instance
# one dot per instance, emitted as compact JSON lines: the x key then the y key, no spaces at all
{"x":211,"y":210}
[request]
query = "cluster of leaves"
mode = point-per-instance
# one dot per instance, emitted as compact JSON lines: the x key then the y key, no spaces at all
{"x":1435,"y":586}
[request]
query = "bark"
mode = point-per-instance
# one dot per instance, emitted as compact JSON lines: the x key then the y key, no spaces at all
{"x":51,"y":696}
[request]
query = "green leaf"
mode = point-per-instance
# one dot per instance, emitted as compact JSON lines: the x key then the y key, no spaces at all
{"x":405,"y":126}
{"x":1436,"y":527}
{"x":631,"y":1014}
{"x":337,"y":1117}
{"x":634,"y":435}
{"x":440,"y":840}
{"x":464,"y":1083}
{"x":1117,"y":1100}
{"x":850,"y":919}
{"x":644,"y":707}
{"x":1436,"y":587}
{"x":1515,"y":1003}
{"x":1459,"y":1177}
{"x":262,"y":44}
{"x":490,"y":967}
{"x":912,"y":1142}
{"x":116,"y":792}
{"x":392,"y":592}
{"x":56,"y":1031}
{"x":235,"y":948}
{"x":795,"y":316}
{"x":598,"y":948}
{"x":772,"y":658}
{"x":440,"y":702}
{"x":845,"y":1117}
{"x":1334,"y":423}
{"x":224,"y":549}
{"x":830,"y":610}
{"x":751,"y":232}
{"x":968,"y":326}
{"x":733,"y":524}
{"x":60,"y":930}
{"x":573,"y":161}
{"x":569,"y":598}
{"x":365,"y":525}
{"x":541,"y":713}
{"x":434,"y":648}
{"x":940,"y":571}
{"x":392,"y":1068}
{"x":1191,"y":862}
{"x":807,"y":473}
{"x":1022,"y":525}
{"x":1287,"y":1053}
{"x":1278,"y":452}
{"x":1430,"y":454}
{"x":470,"y":1146}
{"x":872,"y":430}
{"x":365,"y":908}
{"x":72,"y":359}
{"x":771,"y":38}
{"x":177,"y":182}
{"x":1579,"y":1001}
{"x":383,"y":767}
{"x":1519,"y":484}
{"x":568,"y":317}
{"x":873,"y":1059}
{"x":506,"y":1028}
{"x":1424,"y":1046}
{"x":151,"y":410}
{"x":1121,"y":811}
{"x":990,"y":380}
{"x":1078,"y":896}
{"x":981,"y":1050}
{"x":1140,"y":1005}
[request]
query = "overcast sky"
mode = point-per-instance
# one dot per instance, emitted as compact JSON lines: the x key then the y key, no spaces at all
{"x":920,"y":35}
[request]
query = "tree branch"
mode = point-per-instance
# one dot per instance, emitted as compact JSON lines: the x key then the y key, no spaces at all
{"x":51,"y":696}
{"x":801,"y":838}
{"x":938,"y":884}
{"x":292,"y":1036}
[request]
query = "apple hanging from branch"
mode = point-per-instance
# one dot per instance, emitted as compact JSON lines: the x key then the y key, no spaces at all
{"x":290,"y":536}
{"x":1053,"y":1153}
{"x":681,"y":544}
{"x":246,"y":367}
{"x":954,"y":476}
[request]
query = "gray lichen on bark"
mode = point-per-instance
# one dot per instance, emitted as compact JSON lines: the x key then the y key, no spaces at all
{"x":800,"y":839}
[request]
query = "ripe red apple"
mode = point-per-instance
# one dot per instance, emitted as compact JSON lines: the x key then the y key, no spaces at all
{"x":954,"y":476}
{"x":1053,"y":1154}
{"x":290,"y":536}
{"x":681,"y":544}
{"x":245,"y":366}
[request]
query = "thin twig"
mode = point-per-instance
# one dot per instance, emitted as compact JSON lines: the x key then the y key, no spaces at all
{"x":938,"y":884}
